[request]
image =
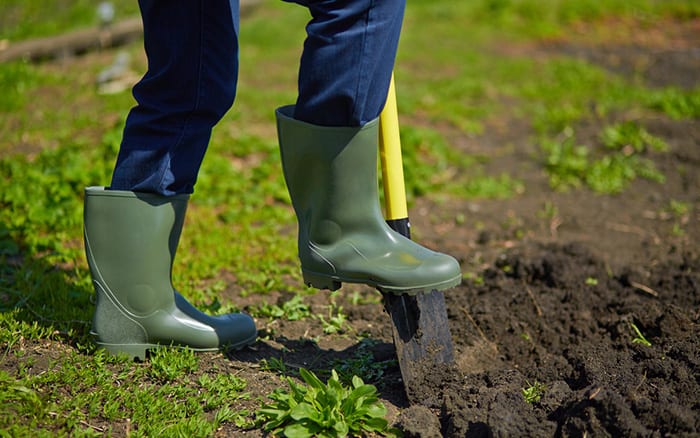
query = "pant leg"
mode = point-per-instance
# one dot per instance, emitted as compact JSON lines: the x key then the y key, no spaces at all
{"x":347,"y":61}
{"x":192,"y":51}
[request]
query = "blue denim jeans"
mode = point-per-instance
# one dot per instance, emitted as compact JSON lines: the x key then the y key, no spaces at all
{"x":192,"y":51}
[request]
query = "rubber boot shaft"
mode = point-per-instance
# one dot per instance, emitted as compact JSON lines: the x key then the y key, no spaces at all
{"x":331,"y":174}
{"x":130,"y":242}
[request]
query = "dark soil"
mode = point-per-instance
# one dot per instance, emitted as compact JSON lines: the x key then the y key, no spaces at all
{"x":553,"y":299}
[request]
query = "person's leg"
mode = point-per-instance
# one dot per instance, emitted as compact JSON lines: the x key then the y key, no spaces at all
{"x":132,"y":230}
{"x":328,"y":143}
{"x":192,"y":51}
{"x":347,"y":60}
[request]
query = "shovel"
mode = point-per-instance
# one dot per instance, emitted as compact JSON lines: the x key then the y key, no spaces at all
{"x":421,"y":334}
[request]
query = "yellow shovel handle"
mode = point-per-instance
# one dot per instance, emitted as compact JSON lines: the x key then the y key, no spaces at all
{"x":390,"y":156}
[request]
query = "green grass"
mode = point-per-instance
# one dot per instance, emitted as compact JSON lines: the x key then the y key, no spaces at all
{"x":21,"y":20}
{"x":86,"y":395}
{"x":608,"y":168}
{"x":57,"y":135}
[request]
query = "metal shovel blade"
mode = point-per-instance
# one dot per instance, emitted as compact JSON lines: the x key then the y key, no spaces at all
{"x":421,"y":336}
{"x":420,"y":329}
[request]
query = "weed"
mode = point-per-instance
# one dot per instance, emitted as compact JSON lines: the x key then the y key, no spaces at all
{"x":293,"y":309}
{"x":565,"y":162}
{"x":570,"y":165}
{"x":639,"y":337}
{"x":533,"y":392}
{"x":170,"y":364}
{"x":362,"y":364}
{"x":477,"y":279}
{"x":336,"y":320}
{"x":677,"y":230}
{"x":591,"y":281}
{"x":221,"y":390}
{"x":276,"y":365}
{"x":679,"y":209}
{"x":324,"y":410}
{"x":612,"y":174}
{"x":12,"y":391}
{"x":676,"y":103}
{"x":549,"y":210}
{"x":359,"y":298}
{"x":630,"y":138}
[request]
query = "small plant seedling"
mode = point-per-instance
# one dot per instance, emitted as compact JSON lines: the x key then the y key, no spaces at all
{"x":639,"y":338}
{"x":334,"y":323}
{"x":549,"y":210}
{"x":324,"y":410}
{"x":275,"y":364}
{"x":363,"y":364}
{"x":680,"y":211}
{"x":679,"y":208}
{"x":534,"y":392}
{"x":591,"y":281}
{"x":630,"y":137}
{"x":293,"y":309}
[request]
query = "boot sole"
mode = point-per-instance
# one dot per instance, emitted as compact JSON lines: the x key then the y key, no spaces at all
{"x":333,"y":282}
{"x":140,"y":351}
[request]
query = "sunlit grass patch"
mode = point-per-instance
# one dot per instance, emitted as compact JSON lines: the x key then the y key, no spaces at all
{"x":619,"y":158}
{"x":432,"y":165}
{"x":89,"y":395}
{"x":39,"y":18}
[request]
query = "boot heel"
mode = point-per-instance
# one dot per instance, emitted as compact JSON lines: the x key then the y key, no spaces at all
{"x":134,"y":351}
{"x":320,"y":281}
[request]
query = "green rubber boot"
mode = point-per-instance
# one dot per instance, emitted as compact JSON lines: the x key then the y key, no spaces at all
{"x":331,"y":174}
{"x":130,"y":243}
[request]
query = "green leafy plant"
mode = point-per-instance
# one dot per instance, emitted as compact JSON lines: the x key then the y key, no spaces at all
{"x":639,"y":337}
{"x":363,"y":364}
{"x":571,"y":166}
{"x":677,"y":103}
{"x":336,"y":320}
{"x":276,"y":365}
{"x":680,"y":212}
{"x":169,"y":364}
{"x":293,"y":309}
{"x":324,"y":410}
{"x":591,"y":281}
{"x":612,"y":173}
{"x":533,"y":392}
{"x":629,"y":137}
{"x":565,"y":162}
{"x":679,"y":209}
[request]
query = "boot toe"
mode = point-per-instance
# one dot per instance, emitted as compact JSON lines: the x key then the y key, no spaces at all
{"x":438,"y":272}
{"x":236,"y":331}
